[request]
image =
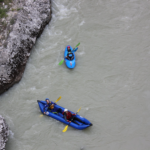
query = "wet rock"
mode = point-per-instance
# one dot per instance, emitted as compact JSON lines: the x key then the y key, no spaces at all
{"x":31,"y":21}
{"x":4,"y":132}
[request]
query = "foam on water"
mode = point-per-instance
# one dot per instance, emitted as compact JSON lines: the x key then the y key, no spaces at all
{"x":11,"y":134}
{"x":68,"y":40}
{"x":64,"y":11}
{"x":33,"y":88}
{"x":82,"y":23}
{"x":81,"y":53}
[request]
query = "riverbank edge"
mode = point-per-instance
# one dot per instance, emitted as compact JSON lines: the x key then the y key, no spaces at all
{"x":30,"y":23}
{"x":4,"y":133}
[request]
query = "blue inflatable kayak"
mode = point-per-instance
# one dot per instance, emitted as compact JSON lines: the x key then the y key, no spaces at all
{"x":72,"y":62}
{"x":59,"y":116}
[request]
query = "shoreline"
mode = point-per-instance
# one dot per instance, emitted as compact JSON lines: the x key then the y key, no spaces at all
{"x":4,"y":133}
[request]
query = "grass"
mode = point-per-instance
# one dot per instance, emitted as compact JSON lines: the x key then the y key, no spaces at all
{"x":3,"y":12}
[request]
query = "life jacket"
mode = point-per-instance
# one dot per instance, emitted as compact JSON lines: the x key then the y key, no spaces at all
{"x":51,"y":107}
{"x":70,"y":54}
{"x":68,"y":115}
{"x":47,"y":106}
{"x":69,"y":50}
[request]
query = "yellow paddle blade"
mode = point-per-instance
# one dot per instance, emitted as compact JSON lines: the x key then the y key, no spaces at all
{"x":78,"y":109}
{"x":41,"y":115}
{"x":58,"y":99}
{"x":65,"y":129}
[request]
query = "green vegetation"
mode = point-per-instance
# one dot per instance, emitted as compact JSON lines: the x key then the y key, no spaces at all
{"x":6,"y":1}
{"x":3,"y":12}
{"x":16,"y":9}
{"x":2,"y":9}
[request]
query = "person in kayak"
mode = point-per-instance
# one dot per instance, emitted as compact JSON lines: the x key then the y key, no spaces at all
{"x":70,"y":55}
{"x":51,"y":107}
{"x":48,"y":106}
{"x":68,"y":116}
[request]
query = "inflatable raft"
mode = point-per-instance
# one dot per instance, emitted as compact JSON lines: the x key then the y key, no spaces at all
{"x":60,"y":117}
{"x":72,"y":62}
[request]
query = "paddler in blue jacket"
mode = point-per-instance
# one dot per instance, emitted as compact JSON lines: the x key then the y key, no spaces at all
{"x":49,"y":106}
{"x":69,"y":52}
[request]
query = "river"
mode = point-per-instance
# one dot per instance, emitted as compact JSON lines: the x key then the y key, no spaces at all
{"x":110,"y":81}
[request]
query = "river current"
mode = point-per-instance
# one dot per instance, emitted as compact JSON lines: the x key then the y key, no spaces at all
{"x":111,"y":80}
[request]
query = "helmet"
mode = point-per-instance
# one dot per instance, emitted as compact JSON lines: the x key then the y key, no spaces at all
{"x":46,"y":99}
{"x":65,"y":110}
{"x":68,"y":46}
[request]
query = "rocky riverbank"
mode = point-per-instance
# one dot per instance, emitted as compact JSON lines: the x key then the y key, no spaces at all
{"x":4,"y":132}
{"x":30,"y":19}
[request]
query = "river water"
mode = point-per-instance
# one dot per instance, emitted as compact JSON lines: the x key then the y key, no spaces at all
{"x":110,"y":81}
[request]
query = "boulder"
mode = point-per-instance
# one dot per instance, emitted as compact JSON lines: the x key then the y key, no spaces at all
{"x":31,"y":21}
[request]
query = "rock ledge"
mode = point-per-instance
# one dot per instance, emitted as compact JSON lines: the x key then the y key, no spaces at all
{"x":31,"y":21}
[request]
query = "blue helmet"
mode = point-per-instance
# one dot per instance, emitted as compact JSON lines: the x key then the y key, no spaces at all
{"x":46,"y":99}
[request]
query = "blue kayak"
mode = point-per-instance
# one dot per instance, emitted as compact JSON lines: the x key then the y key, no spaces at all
{"x":59,"y":116}
{"x":72,"y":62}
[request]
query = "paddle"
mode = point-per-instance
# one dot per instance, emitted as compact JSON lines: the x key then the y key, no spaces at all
{"x":65,"y":129}
{"x":77,"y":45}
{"x":61,"y":62}
{"x":55,"y":102}
{"x":58,"y":99}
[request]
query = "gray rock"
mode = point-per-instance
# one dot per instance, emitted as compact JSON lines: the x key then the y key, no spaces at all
{"x":31,"y":21}
{"x":4,"y":133}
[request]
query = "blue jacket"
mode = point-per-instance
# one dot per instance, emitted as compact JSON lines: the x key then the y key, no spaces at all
{"x":48,"y":105}
{"x":73,"y":50}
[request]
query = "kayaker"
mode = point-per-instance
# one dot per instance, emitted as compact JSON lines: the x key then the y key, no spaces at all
{"x":51,"y":106}
{"x":70,"y":55}
{"x":68,"y":116}
{"x":68,"y":49}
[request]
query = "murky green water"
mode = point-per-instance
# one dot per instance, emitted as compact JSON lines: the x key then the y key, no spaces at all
{"x":110,"y":81}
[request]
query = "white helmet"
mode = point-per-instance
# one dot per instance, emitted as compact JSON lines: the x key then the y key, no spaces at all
{"x":65,"y":110}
